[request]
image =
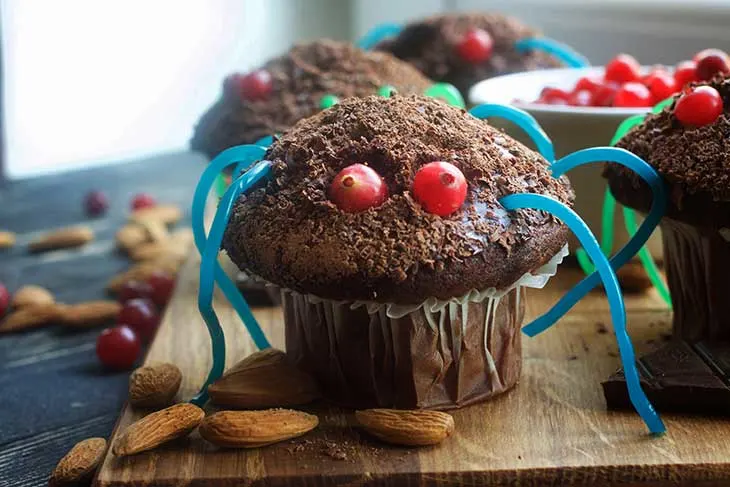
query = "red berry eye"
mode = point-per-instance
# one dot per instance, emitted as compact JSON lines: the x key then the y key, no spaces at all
{"x":476,"y":46}
{"x":440,"y":187}
{"x":256,"y":85}
{"x":357,"y":188}
{"x":711,"y":62}
{"x":701,"y":106}
{"x":623,"y":69}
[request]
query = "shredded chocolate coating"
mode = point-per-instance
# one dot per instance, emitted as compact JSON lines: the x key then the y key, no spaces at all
{"x":300,"y":78}
{"x":430,"y":46}
{"x":292,"y":235}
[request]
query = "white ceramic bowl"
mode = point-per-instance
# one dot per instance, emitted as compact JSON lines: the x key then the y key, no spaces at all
{"x":570,"y":128}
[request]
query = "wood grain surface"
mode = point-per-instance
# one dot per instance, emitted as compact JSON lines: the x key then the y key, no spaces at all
{"x":553,"y":429}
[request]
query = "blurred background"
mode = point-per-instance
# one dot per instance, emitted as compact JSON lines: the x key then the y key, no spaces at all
{"x":89,"y":82}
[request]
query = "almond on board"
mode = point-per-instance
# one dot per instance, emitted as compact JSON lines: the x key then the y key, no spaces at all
{"x":157,"y":428}
{"x":154,"y":386}
{"x":411,"y":428}
{"x":252,"y":429}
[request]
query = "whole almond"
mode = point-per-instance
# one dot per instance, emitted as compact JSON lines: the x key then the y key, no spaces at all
{"x":156,"y":230}
{"x":7,"y":239}
{"x":79,"y":464}
{"x":130,"y":236}
{"x":410,"y":428}
{"x":154,"y":386}
{"x":30,"y":317}
{"x":32,"y":295}
{"x":166,"y":214}
{"x":633,"y":278}
{"x":143,"y":270}
{"x":157,"y":250}
{"x":252,"y":429}
{"x":264,"y":379}
{"x":89,"y":314}
{"x":62,"y":239}
{"x":157,"y":428}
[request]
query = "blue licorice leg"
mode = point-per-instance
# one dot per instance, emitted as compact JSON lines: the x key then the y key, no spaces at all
{"x":523,"y":120}
{"x":652,"y":178}
{"x":377,"y":34}
{"x":563,"y":52}
{"x":618,"y":313}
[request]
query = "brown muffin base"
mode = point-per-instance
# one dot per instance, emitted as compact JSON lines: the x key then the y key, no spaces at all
{"x":371,"y":360}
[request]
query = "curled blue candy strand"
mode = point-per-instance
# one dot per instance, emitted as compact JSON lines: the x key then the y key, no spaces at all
{"x":648,"y":174}
{"x":618,"y":312}
{"x":563,"y":52}
{"x":264,"y":142}
{"x":377,"y":34}
{"x":523,"y":120}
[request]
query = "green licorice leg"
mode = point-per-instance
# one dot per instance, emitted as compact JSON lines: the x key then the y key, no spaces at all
{"x":649,"y":265}
{"x":609,"y":208}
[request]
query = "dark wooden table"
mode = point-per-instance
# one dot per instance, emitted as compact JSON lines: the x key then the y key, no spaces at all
{"x":53,"y":391}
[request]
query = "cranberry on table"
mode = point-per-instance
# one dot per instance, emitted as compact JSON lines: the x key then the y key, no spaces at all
{"x":623,"y":69}
{"x":661,"y":85}
{"x":440,"y":187}
{"x":143,"y":200}
{"x":701,"y":106}
{"x":633,"y":95}
{"x":256,"y":85}
{"x":134,"y":289}
{"x":357,"y":188}
{"x":118,"y":348}
{"x":476,"y":46}
{"x":711,"y":62}
{"x":96,"y":203}
{"x":161,"y":285}
{"x":140,"y":314}
{"x":4,"y":300}
{"x":685,"y":73}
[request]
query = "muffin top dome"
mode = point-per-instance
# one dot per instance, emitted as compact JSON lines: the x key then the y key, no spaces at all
{"x":300,"y":78}
{"x":290,"y":233}
{"x":431,"y":46}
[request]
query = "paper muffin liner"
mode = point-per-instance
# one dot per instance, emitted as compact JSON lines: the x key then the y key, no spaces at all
{"x":439,"y":354}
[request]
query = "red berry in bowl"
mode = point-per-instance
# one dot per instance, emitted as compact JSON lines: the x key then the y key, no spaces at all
{"x":632,"y":95}
{"x":4,"y":300}
{"x":256,"y":85}
{"x":580,"y":98}
{"x":357,"y":188}
{"x":685,"y":73}
{"x":553,"y":96}
{"x":701,"y":106}
{"x":440,"y":187}
{"x":140,"y":314}
{"x":96,"y":203}
{"x":134,"y":289}
{"x":142,"y":200}
{"x":711,"y":62}
{"x":604,"y":95}
{"x":118,"y":348}
{"x":476,"y":46}
{"x":587,"y":83}
{"x":623,"y":69}
{"x":661,"y":85}
{"x":161,"y":284}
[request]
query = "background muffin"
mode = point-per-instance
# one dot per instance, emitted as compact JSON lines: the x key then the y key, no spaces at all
{"x":453,"y":48}
{"x":290,"y":87}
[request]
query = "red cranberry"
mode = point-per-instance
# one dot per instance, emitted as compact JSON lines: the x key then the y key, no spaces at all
{"x":623,"y":69}
{"x":96,"y":203}
{"x":476,"y":46}
{"x":587,"y":83}
{"x":633,"y":95}
{"x":661,"y":85}
{"x":140,"y":314}
{"x":133,"y":290}
{"x":256,"y":85}
{"x":357,"y":188}
{"x":440,"y":187}
{"x":4,"y":300}
{"x":685,"y":73}
{"x":161,"y":284}
{"x":143,"y":200}
{"x":711,"y":62}
{"x":580,"y":98}
{"x":604,"y":95}
{"x":554,"y":96}
{"x":118,"y":348}
{"x":701,"y":106}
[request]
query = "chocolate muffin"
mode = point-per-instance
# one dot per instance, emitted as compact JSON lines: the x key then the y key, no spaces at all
{"x":437,"y":47}
{"x":290,"y":87}
{"x":393,"y":305}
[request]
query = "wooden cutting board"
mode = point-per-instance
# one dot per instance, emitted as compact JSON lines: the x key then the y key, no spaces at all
{"x":553,"y":429}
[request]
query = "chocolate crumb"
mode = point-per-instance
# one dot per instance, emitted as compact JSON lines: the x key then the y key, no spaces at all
{"x":332,"y":450}
{"x":613,"y":354}
{"x":573,"y":357}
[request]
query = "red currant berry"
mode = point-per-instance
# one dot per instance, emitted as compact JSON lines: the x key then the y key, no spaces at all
{"x":711,"y":62}
{"x":587,"y":83}
{"x":701,"y":106}
{"x":357,"y":188}
{"x":133,"y":290}
{"x":256,"y":85}
{"x":604,"y":95}
{"x":140,"y":314}
{"x":143,"y":200}
{"x":633,"y":95}
{"x":162,"y":284}
{"x":440,"y":187}
{"x":476,"y":46}
{"x":118,"y":348}
{"x":685,"y":73}
{"x":623,"y":69}
{"x":580,"y":98}
{"x":96,"y":203}
{"x":554,"y":96}
{"x":4,"y":300}
{"x":661,"y":85}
